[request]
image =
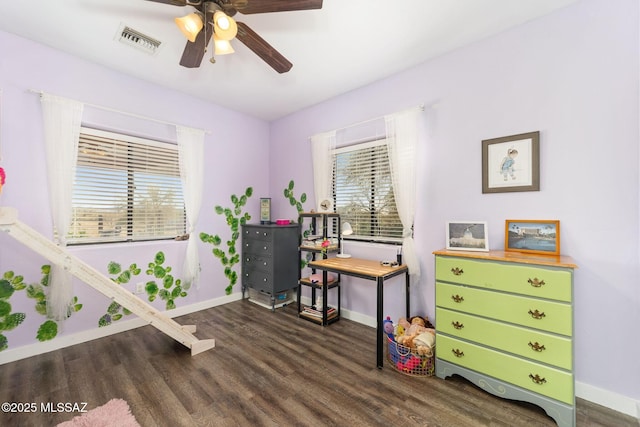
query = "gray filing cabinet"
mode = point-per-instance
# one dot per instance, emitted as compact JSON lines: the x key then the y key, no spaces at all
{"x":270,"y":258}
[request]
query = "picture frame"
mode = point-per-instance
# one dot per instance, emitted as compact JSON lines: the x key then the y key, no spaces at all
{"x":511,"y":163}
{"x":467,"y":236}
{"x":532,"y":236}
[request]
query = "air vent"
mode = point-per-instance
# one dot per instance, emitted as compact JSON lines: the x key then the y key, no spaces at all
{"x":134,"y":38}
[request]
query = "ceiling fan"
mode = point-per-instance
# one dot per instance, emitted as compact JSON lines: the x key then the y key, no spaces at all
{"x":213,"y":19}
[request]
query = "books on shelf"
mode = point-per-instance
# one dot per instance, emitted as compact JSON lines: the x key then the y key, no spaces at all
{"x":310,"y":311}
{"x":315,"y":242}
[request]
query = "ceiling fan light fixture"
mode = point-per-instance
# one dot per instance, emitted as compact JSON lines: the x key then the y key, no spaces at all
{"x":224,"y":26}
{"x":222,"y":47}
{"x":190,"y":25}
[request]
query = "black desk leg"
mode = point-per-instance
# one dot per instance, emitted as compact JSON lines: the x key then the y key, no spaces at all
{"x":379,"y":330}
{"x":324,"y":298}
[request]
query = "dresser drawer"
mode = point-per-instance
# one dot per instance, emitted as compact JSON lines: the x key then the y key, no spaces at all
{"x":545,"y":315}
{"x":252,"y":261}
{"x":257,"y":279}
{"x":257,"y":233}
{"x":538,"y":281}
{"x":533,"y":344}
{"x":260,"y":247}
{"x":538,"y":378}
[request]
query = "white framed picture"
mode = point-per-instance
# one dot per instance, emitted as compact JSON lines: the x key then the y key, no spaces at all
{"x":467,"y":235}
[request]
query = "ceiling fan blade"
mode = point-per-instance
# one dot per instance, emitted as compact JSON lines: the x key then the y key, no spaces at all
{"x":266,"y":6}
{"x":263,"y":49}
{"x":194,"y":52}
{"x":173,"y":2}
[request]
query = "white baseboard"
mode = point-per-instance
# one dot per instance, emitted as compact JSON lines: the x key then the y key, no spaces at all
{"x":615,"y":401}
{"x":609,"y":399}
{"x":11,"y":355}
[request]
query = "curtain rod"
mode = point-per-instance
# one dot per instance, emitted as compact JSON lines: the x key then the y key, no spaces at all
{"x":418,"y":107}
{"x":126,"y":113}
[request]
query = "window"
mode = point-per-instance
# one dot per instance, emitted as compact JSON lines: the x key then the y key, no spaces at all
{"x":126,"y":189}
{"x":364,"y":192}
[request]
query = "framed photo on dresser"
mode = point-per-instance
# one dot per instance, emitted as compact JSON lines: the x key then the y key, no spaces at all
{"x":467,"y":236}
{"x":533,"y":236}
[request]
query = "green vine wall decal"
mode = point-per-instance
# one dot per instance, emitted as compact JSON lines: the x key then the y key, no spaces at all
{"x":235,"y":219}
{"x":115,"y":311}
{"x":289,"y":194}
{"x":9,"y":284}
{"x":171,"y":287}
{"x":169,"y":290}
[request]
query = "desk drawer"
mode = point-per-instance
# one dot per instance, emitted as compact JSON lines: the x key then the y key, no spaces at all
{"x":538,"y":378}
{"x":523,"y":279}
{"x":539,"y":346}
{"x":545,"y":315}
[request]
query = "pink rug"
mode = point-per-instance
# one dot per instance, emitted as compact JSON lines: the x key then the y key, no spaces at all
{"x":114,"y":413}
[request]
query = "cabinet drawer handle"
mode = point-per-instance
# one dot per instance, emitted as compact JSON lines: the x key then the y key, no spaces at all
{"x":457,"y":271}
{"x":535,"y":282}
{"x":457,"y":353}
{"x":536,"y":314}
{"x":536,"y":346}
{"x":457,"y":298}
{"x":457,"y":325}
{"x":537,"y":379}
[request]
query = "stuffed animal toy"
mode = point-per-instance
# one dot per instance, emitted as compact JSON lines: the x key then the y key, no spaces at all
{"x":425,"y":342}
{"x":417,"y":327}
{"x":403,"y":325}
{"x":388,"y":328}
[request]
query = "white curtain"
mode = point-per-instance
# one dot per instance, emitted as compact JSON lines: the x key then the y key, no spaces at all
{"x":62,"y":120}
{"x":402,"y":137}
{"x":322,"y":147}
{"x":191,"y":153}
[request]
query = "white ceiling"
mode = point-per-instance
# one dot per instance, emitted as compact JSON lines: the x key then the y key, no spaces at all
{"x":338,"y":48}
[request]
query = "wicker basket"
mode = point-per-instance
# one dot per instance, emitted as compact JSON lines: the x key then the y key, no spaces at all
{"x":408,"y":361}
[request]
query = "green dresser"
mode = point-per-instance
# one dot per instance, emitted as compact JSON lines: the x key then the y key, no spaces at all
{"x":504,"y":321}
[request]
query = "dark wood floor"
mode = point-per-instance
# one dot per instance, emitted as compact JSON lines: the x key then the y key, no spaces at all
{"x":267,"y":369}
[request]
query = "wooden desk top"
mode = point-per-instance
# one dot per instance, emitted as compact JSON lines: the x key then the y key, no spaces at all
{"x":358,"y":267}
{"x":522,"y":257}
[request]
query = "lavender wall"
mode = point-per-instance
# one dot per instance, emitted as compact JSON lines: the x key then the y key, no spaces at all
{"x":573,"y":76}
{"x":235,"y":153}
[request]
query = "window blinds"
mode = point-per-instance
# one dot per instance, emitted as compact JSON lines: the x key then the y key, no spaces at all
{"x":364,"y":191}
{"x":126,"y":189}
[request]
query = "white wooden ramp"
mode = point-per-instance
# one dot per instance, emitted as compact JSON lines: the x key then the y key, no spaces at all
{"x":10,"y":224}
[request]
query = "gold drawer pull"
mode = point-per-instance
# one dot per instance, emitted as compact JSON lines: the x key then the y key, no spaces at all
{"x":457,"y":298}
{"x":536,"y":347}
{"x":537,"y":379}
{"x":535,"y":282}
{"x":457,"y":325}
{"x":457,"y":271}
{"x":457,"y":353}
{"x":537,"y":315}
